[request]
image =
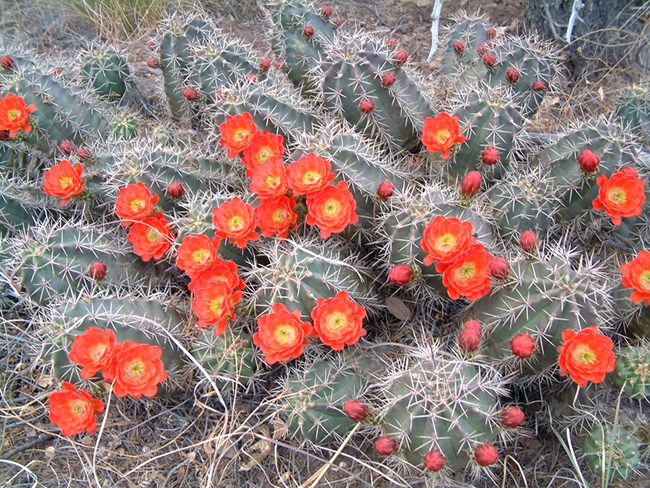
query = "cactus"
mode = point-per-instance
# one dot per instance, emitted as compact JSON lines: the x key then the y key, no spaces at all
{"x":611,"y":451}
{"x":632,"y":372}
{"x":230,"y":359}
{"x":105,"y":72}
{"x":432,"y":400}
{"x":634,"y":110}
{"x":542,"y":298}
{"x":150,"y":318}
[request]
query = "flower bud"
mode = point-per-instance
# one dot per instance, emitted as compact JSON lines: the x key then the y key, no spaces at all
{"x":386,"y":446}
{"x":327,"y":12}
{"x":366,"y":105}
{"x":528,"y":241}
{"x":522,"y":345}
{"x":66,"y":147}
{"x":512,"y":75}
{"x":401,"y":274}
{"x":356,"y":410}
{"x":539,"y":86}
{"x":265,"y":65}
{"x":176,"y":190}
{"x":434,"y":460}
{"x":481,"y":49}
{"x":400,"y":58}
{"x":308,"y":31}
{"x":499,"y":268}
{"x":490,"y":33}
{"x":153,"y":63}
{"x":387,"y":80}
{"x":191,"y":94}
{"x":512,"y":416}
{"x":470,"y":184}
{"x":385,"y":190}
{"x":391,"y":42}
{"x":83,"y":154}
{"x":486,"y":454}
{"x":490,"y":155}
{"x":588,"y":160}
{"x":489,"y":60}
{"x":97,"y":271}
{"x":470,"y":336}
{"x":7,"y":62}
{"x":459,"y":47}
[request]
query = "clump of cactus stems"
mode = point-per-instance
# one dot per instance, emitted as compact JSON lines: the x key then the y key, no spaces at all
{"x":535,"y":253}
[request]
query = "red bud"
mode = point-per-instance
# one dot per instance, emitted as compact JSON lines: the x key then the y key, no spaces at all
{"x":401,"y":274}
{"x":489,"y":60}
{"x":83,"y":154}
{"x":522,"y":345}
{"x":386,"y":446}
{"x":486,"y":454}
{"x":470,"y":335}
{"x":7,"y":62}
{"x":265,"y":65}
{"x":588,"y":160}
{"x":366,"y":106}
{"x":327,"y":12}
{"x":191,"y":94}
{"x":490,"y":155}
{"x":512,"y":75}
{"x":539,"y":85}
{"x":385,"y":190}
{"x":499,"y":268}
{"x":66,"y":147}
{"x":308,"y":31}
{"x":459,"y":47}
{"x":153,"y":63}
{"x":434,"y":460}
{"x":512,"y":417}
{"x":356,"y":410}
{"x":490,"y":33}
{"x":528,"y":241}
{"x":470,"y":184}
{"x":391,"y":42}
{"x":388,"y":80}
{"x":176,"y":190}
{"x":481,"y":49}
{"x":97,"y":271}
{"x":400,"y":58}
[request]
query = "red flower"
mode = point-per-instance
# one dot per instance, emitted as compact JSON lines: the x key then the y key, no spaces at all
{"x":237,"y":133}
{"x":264,"y":148}
{"x":196,"y":254}
{"x":235,"y":220}
{"x":135,"y":202}
{"x":309,"y":174}
{"x":338,"y":321}
{"x":621,"y":195}
{"x":281,"y":334}
{"x":586,"y":355}
{"x":636,"y":274}
{"x":221,"y":272}
{"x":441,"y":134}
{"x":14,"y":115}
{"x":136,"y":369}
{"x":332,"y":209}
{"x":74,"y":411}
{"x":151,"y":237}
{"x":469,"y":274}
{"x":276,"y":215}
{"x":92,"y":350}
{"x":270,"y":180}
{"x":214,"y":305}
{"x":64,"y":180}
{"x":445,"y":239}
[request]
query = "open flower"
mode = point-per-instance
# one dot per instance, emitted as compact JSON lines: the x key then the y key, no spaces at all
{"x":214,"y":305}
{"x":151,"y":237}
{"x":237,"y":133}
{"x":235,"y":220}
{"x":621,"y":195}
{"x":196,"y":254}
{"x":281,"y":334}
{"x":136,"y":369}
{"x":92,"y":350}
{"x":64,"y":180}
{"x":338,"y":321}
{"x":469,"y":274}
{"x":135,"y":202}
{"x":264,"y":148}
{"x":14,"y":115}
{"x":586,"y":355}
{"x":309,"y":174}
{"x":444,"y":239}
{"x":74,"y":411}
{"x":441,"y":134}
{"x":276,"y":216}
{"x":636,"y":274}
{"x":222,"y":271}
{"x":332,"y":209}
{"x":270,"y":180}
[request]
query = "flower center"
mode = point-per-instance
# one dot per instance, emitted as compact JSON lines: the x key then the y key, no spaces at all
{"x":153,"y":235}
{"x":617,"y":195}
{"x":200,"y":255}
{"x":278,"y":215}
{"x":13,"y":114}
{"x":336,"y":321}
{"x":78,"y":408}
{"x":310,"y":176}
{"x":465,"y":272}
{"x":285,"y":334}
{"x":97,"y":352}
{"x":137,"y":204}
{"x":644,"y":279}
{"x":263,"y":154}
{"x":446,"y":242}
{"x":272,"y":181}
{"x":443,"y":135}
{"x":583,"y":354}
{"x":65,"y":181}
{"x":331,"y":208}
{"x":135,"y":368}
{"x":241,"y":134}
{"x":216,"y":305}
{"x":236,"y":223}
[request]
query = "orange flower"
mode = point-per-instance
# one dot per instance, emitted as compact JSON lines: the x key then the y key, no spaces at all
{"x":235,"y":220}
{"x":269,"y":180}
{"x":332,"y":209}
{"x":196,"y":254}
{"x":276,"y":215}
{"x":444,"y":239}
{"x":281,"y":335}
{"x":309,"y":174}
{"x":469,"y":274}
{"x":237,"y":133}
{"x":221,"y":272}
{"x":151,"y":237}
{"x":74,"y":411}
{"x":621,"y":195}
{"x":136,"y":369}
{"x":135,"y":202}
{"x":586,"y":355}
{"x":338,"y":321}
{"x":14,"y":115}
{"x":92,"y":350}
{"x":64,"y":180}
{"x":264,"y":148}
{"x":636,"y":274}
{"x":214,"y":305}
{"x":441,"y":134}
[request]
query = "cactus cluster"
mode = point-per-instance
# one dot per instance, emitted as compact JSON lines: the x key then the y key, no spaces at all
{"x":456,"y":210}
